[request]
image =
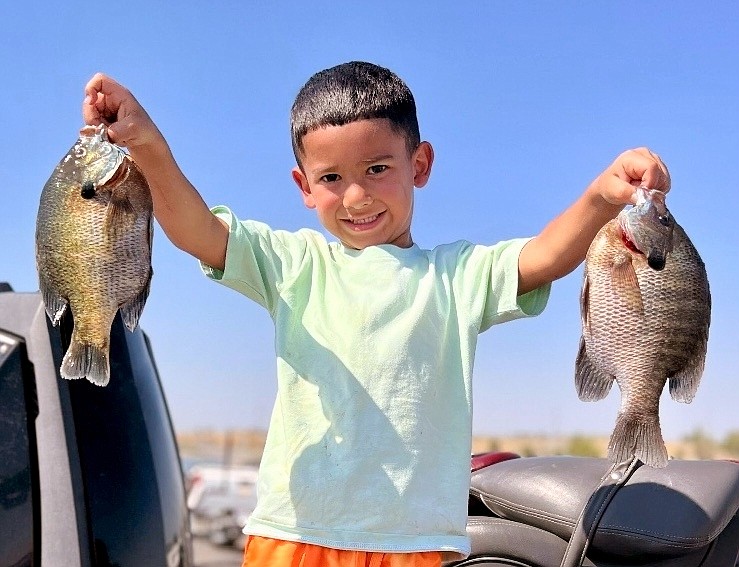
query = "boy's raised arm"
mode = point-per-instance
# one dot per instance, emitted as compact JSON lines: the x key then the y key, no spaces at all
{"x":563,"y":243}
{"x":178,"y":207}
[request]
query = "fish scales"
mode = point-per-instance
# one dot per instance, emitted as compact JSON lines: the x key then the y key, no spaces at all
{"x":93,"y":248}
{"x":642,"y":325}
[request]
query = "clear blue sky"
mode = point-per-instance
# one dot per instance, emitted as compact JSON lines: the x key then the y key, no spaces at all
{"x":524,"y":103}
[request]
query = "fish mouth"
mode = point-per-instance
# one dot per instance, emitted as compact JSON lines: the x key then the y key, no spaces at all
{"x":656,"y":257}
{"x":99,"y":132}
{"x":88,"y":190}
{"x":647,"y":227}
{"x":656,"y":260}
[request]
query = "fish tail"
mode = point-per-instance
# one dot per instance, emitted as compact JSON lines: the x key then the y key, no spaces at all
{"x":638,"y":436}
{"x":85,"y":360}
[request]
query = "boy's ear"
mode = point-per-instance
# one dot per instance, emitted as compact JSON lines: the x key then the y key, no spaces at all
{"x":302,"y":183}
{"x":423,"y":159}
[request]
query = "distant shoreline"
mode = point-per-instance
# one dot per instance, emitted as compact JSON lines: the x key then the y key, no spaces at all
{"x":244,"y":447}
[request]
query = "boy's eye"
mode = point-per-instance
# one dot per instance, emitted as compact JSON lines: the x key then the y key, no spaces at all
{"x":330,"y":178}
{"x":375,"y":169}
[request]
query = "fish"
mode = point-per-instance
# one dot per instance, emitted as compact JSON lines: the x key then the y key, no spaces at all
{"x":93,"y":248}
{"x":645,"y":308}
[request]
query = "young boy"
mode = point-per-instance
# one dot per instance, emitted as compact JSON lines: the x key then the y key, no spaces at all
{"x":367,"y":456}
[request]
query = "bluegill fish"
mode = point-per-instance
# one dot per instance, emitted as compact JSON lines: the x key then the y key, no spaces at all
{"x":645,"y":310}
{"x":93,"y":248}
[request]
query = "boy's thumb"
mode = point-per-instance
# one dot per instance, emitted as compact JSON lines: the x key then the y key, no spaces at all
{"x":113,"y":134}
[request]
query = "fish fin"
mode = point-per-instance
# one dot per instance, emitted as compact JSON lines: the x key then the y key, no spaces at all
{"x":684,"y":383}
{"x":592,"y":384}
{"x":626,"y":285}
{"x":637,"y":436}
{"x":54,"y":303}
{"x":120,"y":214}
{"x":131,"y":311}
{"x":83,"y":360}
{"x":585,"y":300}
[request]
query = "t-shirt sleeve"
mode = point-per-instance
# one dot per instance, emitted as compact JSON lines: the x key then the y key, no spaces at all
{"x":258,"y":258}
{"x":490,"y":275}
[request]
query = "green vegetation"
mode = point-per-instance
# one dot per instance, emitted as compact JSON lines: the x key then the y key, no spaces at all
{"x":731,"y":444}
{"x":582,"y":446}
{"x":703,"y":445}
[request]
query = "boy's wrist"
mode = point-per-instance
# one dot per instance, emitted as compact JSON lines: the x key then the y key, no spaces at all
{"x":154,"y":153}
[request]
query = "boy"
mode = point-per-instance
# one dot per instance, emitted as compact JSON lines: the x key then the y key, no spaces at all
{"x":367,"y":456}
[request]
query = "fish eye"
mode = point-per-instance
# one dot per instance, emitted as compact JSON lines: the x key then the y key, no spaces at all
{"x":664,"y":220}
{"x":79,"y":151}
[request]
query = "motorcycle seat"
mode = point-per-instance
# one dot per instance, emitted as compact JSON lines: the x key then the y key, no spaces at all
{"x":666,"y":513}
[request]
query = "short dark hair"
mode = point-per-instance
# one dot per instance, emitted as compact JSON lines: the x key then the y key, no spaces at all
{"x":349,"y":92}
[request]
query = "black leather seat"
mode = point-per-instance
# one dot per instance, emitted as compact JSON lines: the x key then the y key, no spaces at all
{"x":523,"y":512}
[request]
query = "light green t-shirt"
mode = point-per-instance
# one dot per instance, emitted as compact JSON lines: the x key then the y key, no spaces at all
{"x":369,"y":440}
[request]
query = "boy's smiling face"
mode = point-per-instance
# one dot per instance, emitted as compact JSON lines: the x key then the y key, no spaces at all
{"x":360,"y":179}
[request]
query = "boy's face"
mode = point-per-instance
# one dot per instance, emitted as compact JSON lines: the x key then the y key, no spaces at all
{"x":360,"y":179}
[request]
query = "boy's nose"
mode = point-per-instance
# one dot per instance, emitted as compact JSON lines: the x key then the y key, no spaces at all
{"x":355,"y":197}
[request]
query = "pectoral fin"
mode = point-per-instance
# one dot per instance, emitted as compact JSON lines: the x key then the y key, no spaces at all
{"x":120,"y":214}
{"x":585,"y":301}
{"x":626,"y":285}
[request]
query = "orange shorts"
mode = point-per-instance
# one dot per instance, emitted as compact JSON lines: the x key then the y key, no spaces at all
{"x":267,"y":552}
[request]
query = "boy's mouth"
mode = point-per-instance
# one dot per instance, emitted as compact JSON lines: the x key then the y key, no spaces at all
{"x":363,"y":223}
{"x":365,"y":220}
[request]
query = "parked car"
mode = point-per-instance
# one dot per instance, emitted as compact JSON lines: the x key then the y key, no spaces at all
{"x":221,"y":499}
{"x":89,"y":476}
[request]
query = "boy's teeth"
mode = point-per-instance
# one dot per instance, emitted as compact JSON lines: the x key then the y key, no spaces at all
{"x":364,"y":221}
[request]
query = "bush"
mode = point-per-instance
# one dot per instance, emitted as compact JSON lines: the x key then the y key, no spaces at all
{"x":731,"y":443}
{"x":581,"y":446}
{"x":703,"y":445}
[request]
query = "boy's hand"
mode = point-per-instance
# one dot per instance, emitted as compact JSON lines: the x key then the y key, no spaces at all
{"x":110,"y":103}
{"x":178,"y":206}
{"x":633,"y":168}
{"x":563,"y":243}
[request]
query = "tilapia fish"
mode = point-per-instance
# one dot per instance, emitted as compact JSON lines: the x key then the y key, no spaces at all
{"x":645,"y":309}
{"x":93,"y":248}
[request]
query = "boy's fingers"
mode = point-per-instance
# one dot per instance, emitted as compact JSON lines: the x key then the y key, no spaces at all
{"x":91,"y":108}
{"x":103,"y":98}
{"x":644,"y":167}
{"x":657,"y":178}
{"x":90,"y":113}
